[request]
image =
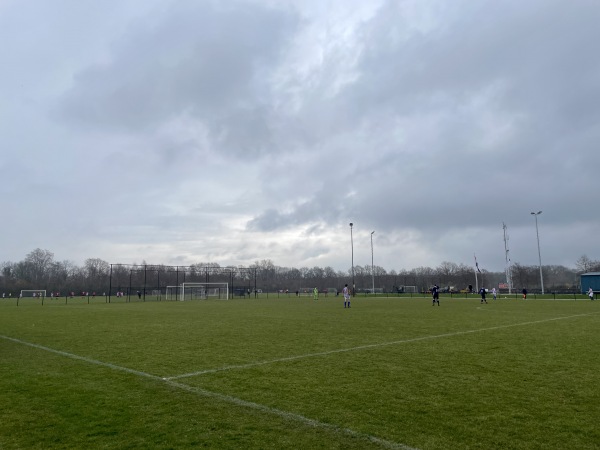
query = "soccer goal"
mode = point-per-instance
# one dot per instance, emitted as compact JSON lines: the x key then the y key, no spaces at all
{"x":198,"y":291}
{"x":33,"y":293}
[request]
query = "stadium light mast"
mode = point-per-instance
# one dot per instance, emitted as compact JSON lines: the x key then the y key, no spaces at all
{"x":372,"y":271}
{"x":352,"y":247}
{"x":535,"y":214}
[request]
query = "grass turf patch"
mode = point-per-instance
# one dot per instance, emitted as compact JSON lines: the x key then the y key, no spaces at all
{"x":509,"y":374}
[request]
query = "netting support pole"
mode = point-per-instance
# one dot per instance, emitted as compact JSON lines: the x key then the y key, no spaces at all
{"x":110,"y":283}
{"x":129,"y":290}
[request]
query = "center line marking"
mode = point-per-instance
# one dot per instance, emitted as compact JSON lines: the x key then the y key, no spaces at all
{"x":364,"y":347}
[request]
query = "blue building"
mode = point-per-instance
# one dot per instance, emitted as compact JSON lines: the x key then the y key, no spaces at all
{"x":590,"y":280}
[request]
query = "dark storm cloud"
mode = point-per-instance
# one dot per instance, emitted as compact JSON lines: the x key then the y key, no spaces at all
{"x":526,"y":66}
{"x":211,"y":61}
{"x":471,"y":121}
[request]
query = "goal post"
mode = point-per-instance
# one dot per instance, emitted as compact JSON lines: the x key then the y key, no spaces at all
{"x":32,"y":293}
{"x":198,"y":291}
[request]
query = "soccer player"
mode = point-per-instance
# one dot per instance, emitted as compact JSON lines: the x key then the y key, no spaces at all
{"x":494,"y":293}
{"x":346,"y":293}
{"x":435,"y":294}
{"x":315,"y":294}
{"x":524,"y":294}
{"x":482,"y":292}
{"x":591,"y":294}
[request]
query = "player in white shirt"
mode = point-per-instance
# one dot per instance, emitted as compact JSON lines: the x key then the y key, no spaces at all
{"x":346,"y":293}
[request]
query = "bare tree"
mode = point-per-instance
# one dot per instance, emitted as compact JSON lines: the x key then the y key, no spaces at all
{"x":525,"y":276}
{"x":38,"y":264}
{"x":585,"y":264}
{"x":446,"y":272}
{"x":96,"y":271}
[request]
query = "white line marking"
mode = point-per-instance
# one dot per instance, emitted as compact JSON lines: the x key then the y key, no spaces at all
{"x":83,"y":358}
{"x":291,"y":416}
{"x":364,"y":347}
{"x":225,"y":398}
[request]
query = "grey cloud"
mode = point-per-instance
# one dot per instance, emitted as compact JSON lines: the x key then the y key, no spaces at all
{"x":268,"y":220}
{"x":213,"y":62}
{"x":465,"y":125}
{"x":185,"y":119}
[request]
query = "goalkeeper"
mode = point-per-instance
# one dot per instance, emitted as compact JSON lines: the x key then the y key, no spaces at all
{"x":315,"y":294}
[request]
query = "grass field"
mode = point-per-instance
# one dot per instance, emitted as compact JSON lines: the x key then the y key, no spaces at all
{"x":293,"y":373}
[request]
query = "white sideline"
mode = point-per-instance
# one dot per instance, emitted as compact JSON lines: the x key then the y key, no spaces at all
{"x":223,"y":397}
{"x":363,"y":347}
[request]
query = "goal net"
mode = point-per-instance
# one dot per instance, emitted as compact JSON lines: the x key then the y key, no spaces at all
{"x":33,"y":293}
{"x":198,"y":291}
{"x":407,"y":289}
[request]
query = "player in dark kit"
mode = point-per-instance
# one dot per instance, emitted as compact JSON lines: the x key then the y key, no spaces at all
{"x":482,"y":292}
{"x":435,"y":294}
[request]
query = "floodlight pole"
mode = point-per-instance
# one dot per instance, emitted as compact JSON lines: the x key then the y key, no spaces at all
{"x":352,"y":247}
{"x":535,"y":214}
{"x":372,"y":271}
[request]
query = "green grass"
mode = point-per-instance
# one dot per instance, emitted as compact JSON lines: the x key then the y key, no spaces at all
{"x":292,"y":373}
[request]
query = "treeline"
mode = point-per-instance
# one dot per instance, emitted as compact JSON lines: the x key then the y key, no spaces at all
{"x":446,"y":275}
{"x":39,"y":270}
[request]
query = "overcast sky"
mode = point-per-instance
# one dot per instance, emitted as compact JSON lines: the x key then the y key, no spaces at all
{"x":179,"y":132}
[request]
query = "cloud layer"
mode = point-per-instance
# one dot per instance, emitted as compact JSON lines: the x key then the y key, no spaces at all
{"x":180,"y":132}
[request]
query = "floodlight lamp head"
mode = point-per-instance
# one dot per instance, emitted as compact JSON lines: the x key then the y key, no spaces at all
{"x":351,"y":224}
{"x":372,"y":232}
